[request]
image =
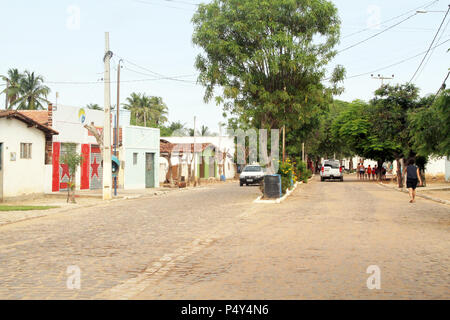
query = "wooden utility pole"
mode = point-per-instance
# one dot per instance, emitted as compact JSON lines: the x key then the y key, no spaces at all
{"x":107,"y":165}
{"x":284,"y":143}
{"x":195,"y":156}
{"x":303,"y":151}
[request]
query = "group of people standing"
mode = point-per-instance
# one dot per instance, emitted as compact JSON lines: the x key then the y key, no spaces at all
{"x":368,"y":173}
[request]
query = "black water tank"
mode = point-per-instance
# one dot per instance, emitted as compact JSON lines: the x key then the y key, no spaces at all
{"x":272,"y":186}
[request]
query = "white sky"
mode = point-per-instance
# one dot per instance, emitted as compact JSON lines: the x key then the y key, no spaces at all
{"x":44,"y":37}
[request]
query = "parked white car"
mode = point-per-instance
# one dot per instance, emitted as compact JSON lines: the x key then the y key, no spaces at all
{"x":331,"y":169}
{"x":252,"y":174}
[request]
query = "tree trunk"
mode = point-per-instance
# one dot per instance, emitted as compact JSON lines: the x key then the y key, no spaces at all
{"x":169,"y":159}
{"x":224,"y":160}
{"x":380,"y":166}
{"x":180,"y":167}
{"x":99,"y":138}
{"x":399,"y":172}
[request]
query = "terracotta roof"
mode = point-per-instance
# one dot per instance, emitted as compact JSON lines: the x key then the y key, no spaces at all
{"x":29,"y":121}
{"x":166,"y":147}
{"x":40,"y":116}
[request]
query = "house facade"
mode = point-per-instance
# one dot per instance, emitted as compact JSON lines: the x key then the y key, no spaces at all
{"x":71,"y":122}
{"x":137,"y":148}
{"x":213,"y":156}
{"x":140,"y":157}
{"x":23,"y":154}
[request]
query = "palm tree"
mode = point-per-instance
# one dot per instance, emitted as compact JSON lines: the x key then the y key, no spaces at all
{"x":204,"y":131}
{"x":14,"y":77}
{"x":133,"y":103}
{"x":146,"y":110}
{"x":158,"y":110}
{"x":32,"y":92}
{"x":94,"y":106}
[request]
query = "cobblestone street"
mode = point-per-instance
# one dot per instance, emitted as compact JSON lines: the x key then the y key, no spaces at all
{"x":215,"y":243}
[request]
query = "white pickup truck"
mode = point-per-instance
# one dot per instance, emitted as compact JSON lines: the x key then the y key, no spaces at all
{"x":331,"y":169}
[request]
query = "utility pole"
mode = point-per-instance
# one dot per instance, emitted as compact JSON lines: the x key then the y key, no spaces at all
{"x":380,"y":77}
{"x":284,"y":143}
{"x":195,"y":156}
{"x":107,"y":165}
{"x":303,"y":151}
{"x":118,"y":108}
{"x":116,"y":136}
{"x":284,"y":130}
{"x":7,"y":89}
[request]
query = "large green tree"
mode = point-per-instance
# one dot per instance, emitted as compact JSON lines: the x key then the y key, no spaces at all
{"x":268,"y":59}
{"x":430,"y":126}
{"x":391,"y":107}
{"x":322,"y":142}
{"x":360,"y":127}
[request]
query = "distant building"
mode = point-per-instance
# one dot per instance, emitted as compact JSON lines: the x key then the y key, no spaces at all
{"x":214,"y":157}
{"x":25,"y":146}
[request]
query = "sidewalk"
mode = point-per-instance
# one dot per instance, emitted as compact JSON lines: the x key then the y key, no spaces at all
{"x":438,"y":192}
{"x":84,"y":199}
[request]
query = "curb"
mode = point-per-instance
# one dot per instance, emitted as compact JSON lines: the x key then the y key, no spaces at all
{"x":417,"y":194}
{"x":279,"y":200}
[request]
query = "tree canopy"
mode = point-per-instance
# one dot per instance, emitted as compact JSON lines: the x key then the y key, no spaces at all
{"x":26,"y":90}
{"x":149,"y":111}
{"x":268,"y":58}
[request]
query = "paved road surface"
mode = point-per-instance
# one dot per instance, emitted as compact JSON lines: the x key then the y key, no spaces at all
{"x":214,"y":243}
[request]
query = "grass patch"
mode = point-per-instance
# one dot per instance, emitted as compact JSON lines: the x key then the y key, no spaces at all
{"x":25,"y":208}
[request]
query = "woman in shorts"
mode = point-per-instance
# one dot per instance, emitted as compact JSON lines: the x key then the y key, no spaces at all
{"x":362,"y":171}
{"x":412,"y":177}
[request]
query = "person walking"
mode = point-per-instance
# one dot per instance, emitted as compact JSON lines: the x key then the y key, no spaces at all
{"x":362,"y":171}
{"x":412,"y":177}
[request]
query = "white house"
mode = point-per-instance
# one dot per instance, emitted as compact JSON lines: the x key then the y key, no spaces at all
{"x":23,"y":153}
{"x":138,"y":149}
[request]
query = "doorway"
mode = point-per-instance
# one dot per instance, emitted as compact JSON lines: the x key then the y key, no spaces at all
{"x":149,"y":170}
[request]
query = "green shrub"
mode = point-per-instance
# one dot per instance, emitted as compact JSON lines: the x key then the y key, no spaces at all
{"x":303,"y":172}
{"x":288,"y":176}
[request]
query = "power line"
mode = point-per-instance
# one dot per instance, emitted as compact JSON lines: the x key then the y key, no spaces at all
{"x":394,"y":64}
{"x":163,"y":5}
{"x":174,"y":77}
{"x":183,"y":2}
{"x":153,"y":73}
{"x":101,"y":82}
{"x":377,"y":34}
{"x":432,"y":51}
{"x":394,"y":18}
{"x":431,"y":45}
